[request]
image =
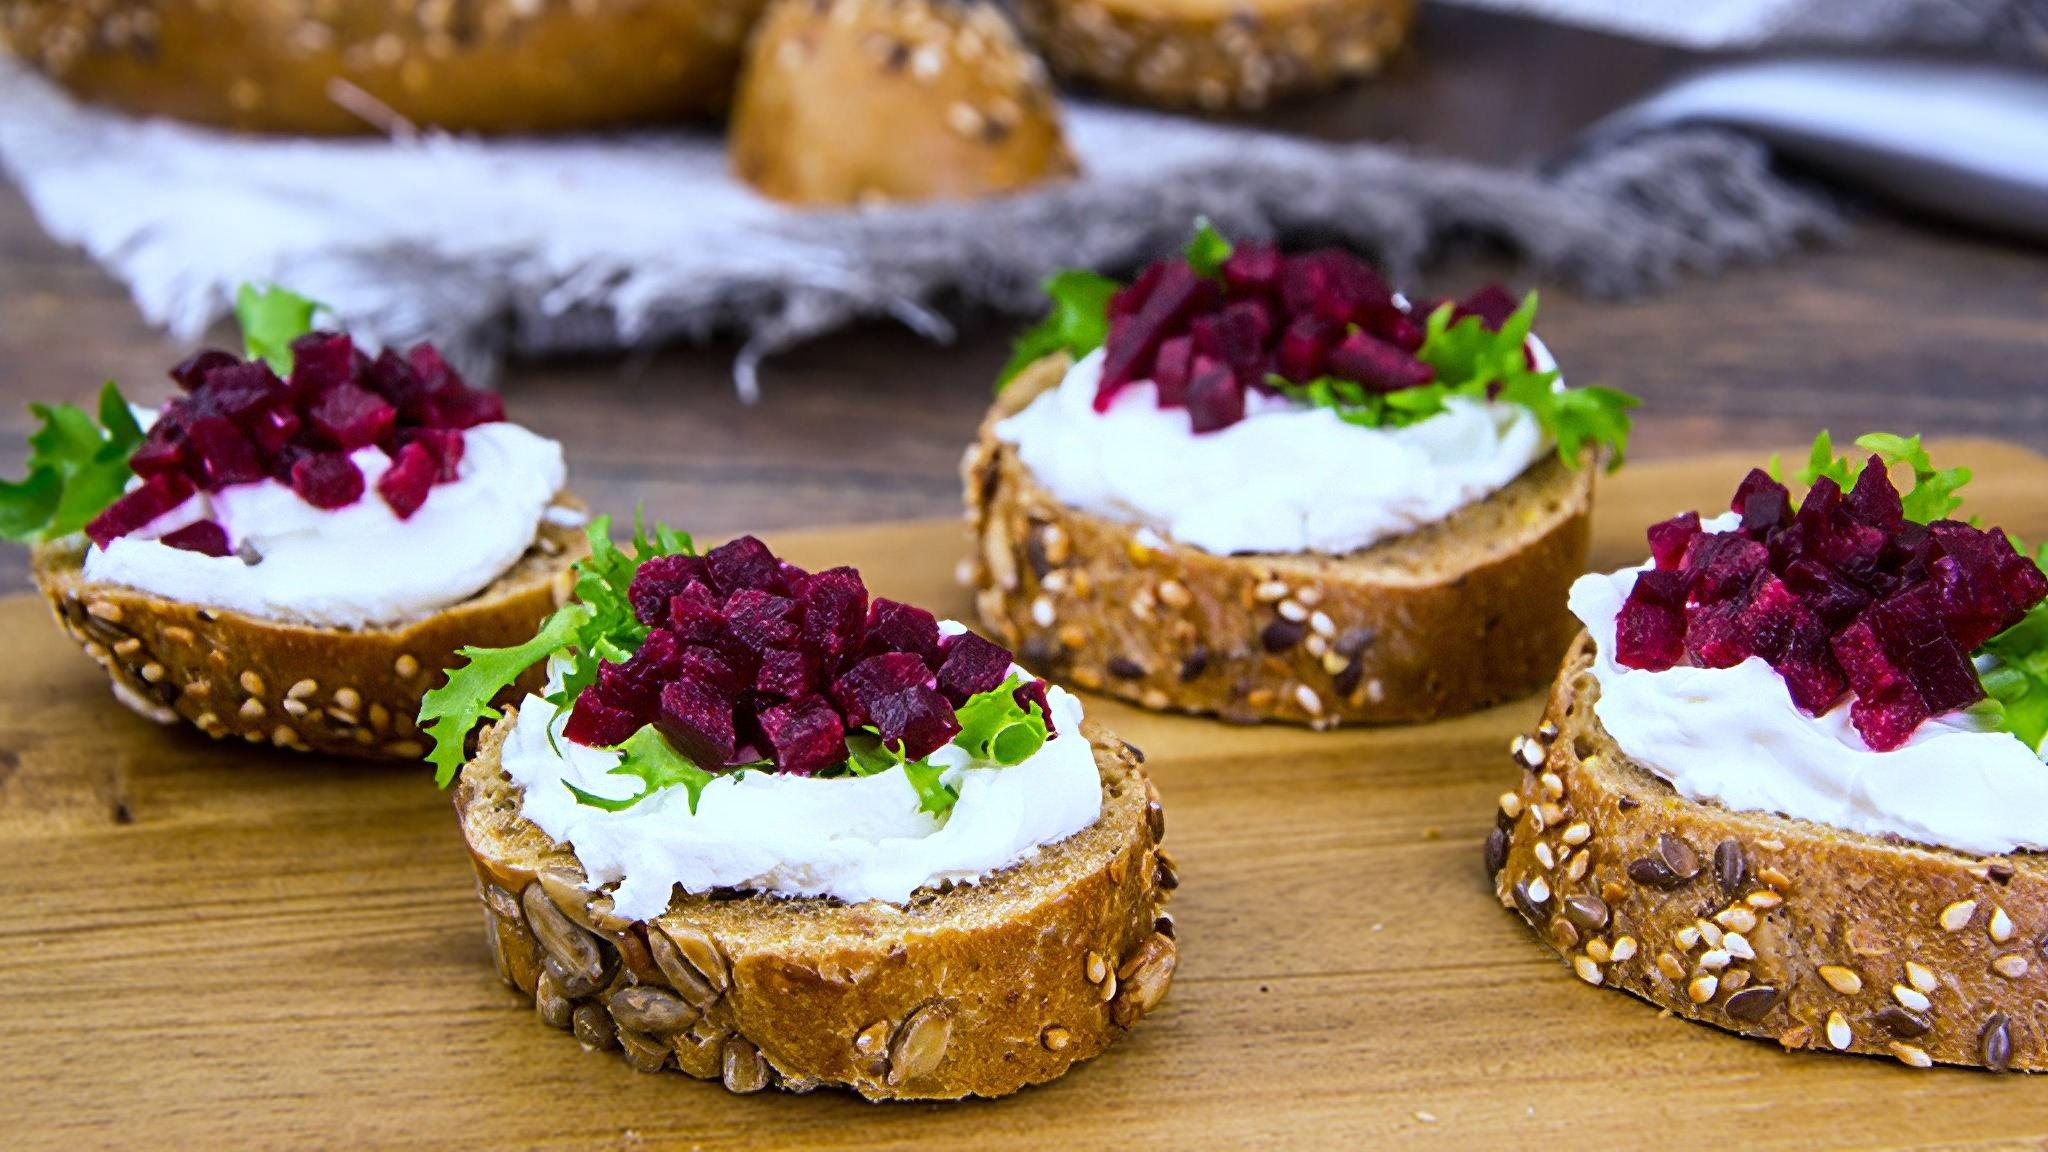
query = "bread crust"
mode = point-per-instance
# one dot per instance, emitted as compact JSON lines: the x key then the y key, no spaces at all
{"x":1846,"y":942}
{"x":1374,"y":637}
{"x":864,"y":101}
{"x":1215,"y":55}
{"x":344,"y":692}
{"x":492,"y":66}
{"x":973,"y":991}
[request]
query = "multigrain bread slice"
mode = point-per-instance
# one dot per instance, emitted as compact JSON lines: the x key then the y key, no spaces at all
{"x":345,"y":692}
{"x":1216,"y":54}
{"x":976,"y":990}
{"x":1764,"y":925}
{"x":1461,"y":614}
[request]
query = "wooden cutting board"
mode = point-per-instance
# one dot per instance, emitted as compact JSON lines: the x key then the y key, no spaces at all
{"x":211,"y":945}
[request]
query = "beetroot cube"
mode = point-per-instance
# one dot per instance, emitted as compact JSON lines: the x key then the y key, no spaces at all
{"x":1305,"y":345}
{"x":1763,"y":503}
{"x":1331,"y":283}
{"x":893,"y":626}
{"x":348,"y":417}
{"x":1650,"y":632}
{"x":1378,"y":365}
{"x":238,"y":391}
{"x":1132,"y":344}
{"x":432,"y":371}
{"x":135,"y":510}
{"x":1715,"y":636}
{"x":835,"y":613}
{"x":1668,"y":540}
{"x":1404,"y":334}
{"x":322,"y":361}
{"x":1237,"y":335}
{"x":1909,"y":628}
{"x":1215,"y":397}
{"x":158,"y":453}
{"x":1032,"y":695}
{"x":594,"y":723}
{"x":805,"y":736}
{"x":710,"y":665}
{"x":762,"y":620}
{"x":327,"y":480}
{"x":1491,"y":304}
{"x":458,"y":406}
{"x":1834,"y":600}
{"x":271,"y":429}
{"x":1171,"y":369}
{"x":404,"y":486}
{"x":862,"y":688}
{"x":635,"y":684}
{"x":444,"y":444}
{"x":192,"y":371}
{"x":660,"y":579}
{"x":224,"y":455}
{"x":392,"y":377}
{"x":1128,"y":300}
{"x":1252,"y":270}
{"x":919,"y":719}
{"x":694,"y":613}
{"x":973,"y":665}
{"x":785,"y":674}
{"x":698,"y":720}
{"x":743,"y":563}
{"x":204,"y":537}
{"x":1888,"y":718}
{"x":1874,"y":500}
{"x":1723,"y":565}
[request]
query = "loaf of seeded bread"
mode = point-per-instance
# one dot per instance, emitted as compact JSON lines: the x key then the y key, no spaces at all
{"x":1216,"y":54}
{"x":867,"y":101}
{"x":1461,"y":614}
{"x":1764,"y":925}
{"x":345,"y":692}
{"x":976,"y":990}
{"x":344,"y":66}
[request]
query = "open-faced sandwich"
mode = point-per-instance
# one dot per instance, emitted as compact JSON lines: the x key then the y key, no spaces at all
{"x":1268,"y":487}
{"x":1790,"y":780}
{"x":291,"y":549}
{"x":766,"y":830}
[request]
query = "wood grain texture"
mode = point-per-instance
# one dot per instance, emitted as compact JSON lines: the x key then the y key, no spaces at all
{"x":213,"y":946}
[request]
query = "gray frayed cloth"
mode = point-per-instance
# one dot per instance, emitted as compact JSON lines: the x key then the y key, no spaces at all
{"x":2011,"y":28}
{"x":543,"y":246}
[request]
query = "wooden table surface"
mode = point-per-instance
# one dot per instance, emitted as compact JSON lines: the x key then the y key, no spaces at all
{"x":216,"y":946}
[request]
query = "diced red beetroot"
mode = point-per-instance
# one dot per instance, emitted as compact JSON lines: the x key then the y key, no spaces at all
{"x":1237,"y":335}
{"x":710,"y":665}
{"x":405,"y":485}
{"x":785,"y":674}
{"x":272,"y":429}
{"x":697,"y":719}
{"x":1650,"y":631}
{"x":204,"y":537}
{"x":1304,"y":346}
{"x":135,"y":510}
{"x":1714,"y":636}
{"x":635,"y":684}
{"x":1668,"y":540}
{"x":1874,"y":500}
{"x":1887,"y":708}
{"x":1378,"y":365}
{"x":239,"y":391}
{"x":445,"y":444}
{"x":1909,"y":628}
{"x":1032,"y":695}
{"x":157,"y":454}
{"x":973,"y":665}
{"x":743,"y":563}
{"x":596,"y":724}
{"x":1723,"y":565}
{"x":327,"y":480}
{"x":1834,"y":600}
{"x":835,"y":614}
{"x":1762,"y":502}
{"x":893,"y":626}
{"x":321,"y":361}
{"x":348,"y":417}
{"x":1772,"y":618}
{"x":658,"y":580}
{"x":1329,"y":282}
{"x":694,"y":614}
{"x":458,"y":406}
{"x":433,"y":371}
{"x":192,"y":371}
{"x":1404,"y":334}
{"x":762,"y":620}
{"x":222,"y":454}
{"x":1215,"y":397}
{"x":1491,"y":304}
{"x":1171,"y":369}
{"x":1127,"y":301}
{"x":1252,"y":270}
{"x":1128,"y":354}
{"x":392,"y":377}
{"x":862,"y":688}
{"x":919,"y":719}
{"x":806,"y":736}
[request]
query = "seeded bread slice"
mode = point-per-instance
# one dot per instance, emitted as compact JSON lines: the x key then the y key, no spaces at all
{"x":344,"y":692}
{"x":1764,"y":925}
{"x":975,"y":990}
{"x":1216,"y":54}
{"x":1453,"y":617}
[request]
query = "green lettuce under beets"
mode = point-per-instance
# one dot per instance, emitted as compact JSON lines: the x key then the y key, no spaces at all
{"x":2017,"y":679}
{"x":1482,"y":364}
{"x":76,"y":467}
{"x":1933,"y":495}
{"x":271,"y":318}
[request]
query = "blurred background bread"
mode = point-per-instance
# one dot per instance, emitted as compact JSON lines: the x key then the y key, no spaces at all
{"x":342,"y":66}
{"x":1215,"y":54}
{"x":857,"y":101}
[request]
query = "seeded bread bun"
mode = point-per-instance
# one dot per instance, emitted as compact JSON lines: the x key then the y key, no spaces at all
{"x":1764,"y":925}
{"x":1216,"y":54}
{"x":345,"y":66}
{"x":859,"y":101}
{"x":342,"y":692}
{"x":1461,"y":614}
{"x":975,"y":990}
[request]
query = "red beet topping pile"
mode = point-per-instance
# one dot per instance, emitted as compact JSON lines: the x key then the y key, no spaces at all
{"x":1846,"y":594}
{"x":753,"y":658}
{"x":239,"y":423}
{"x":1205,"y":341}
